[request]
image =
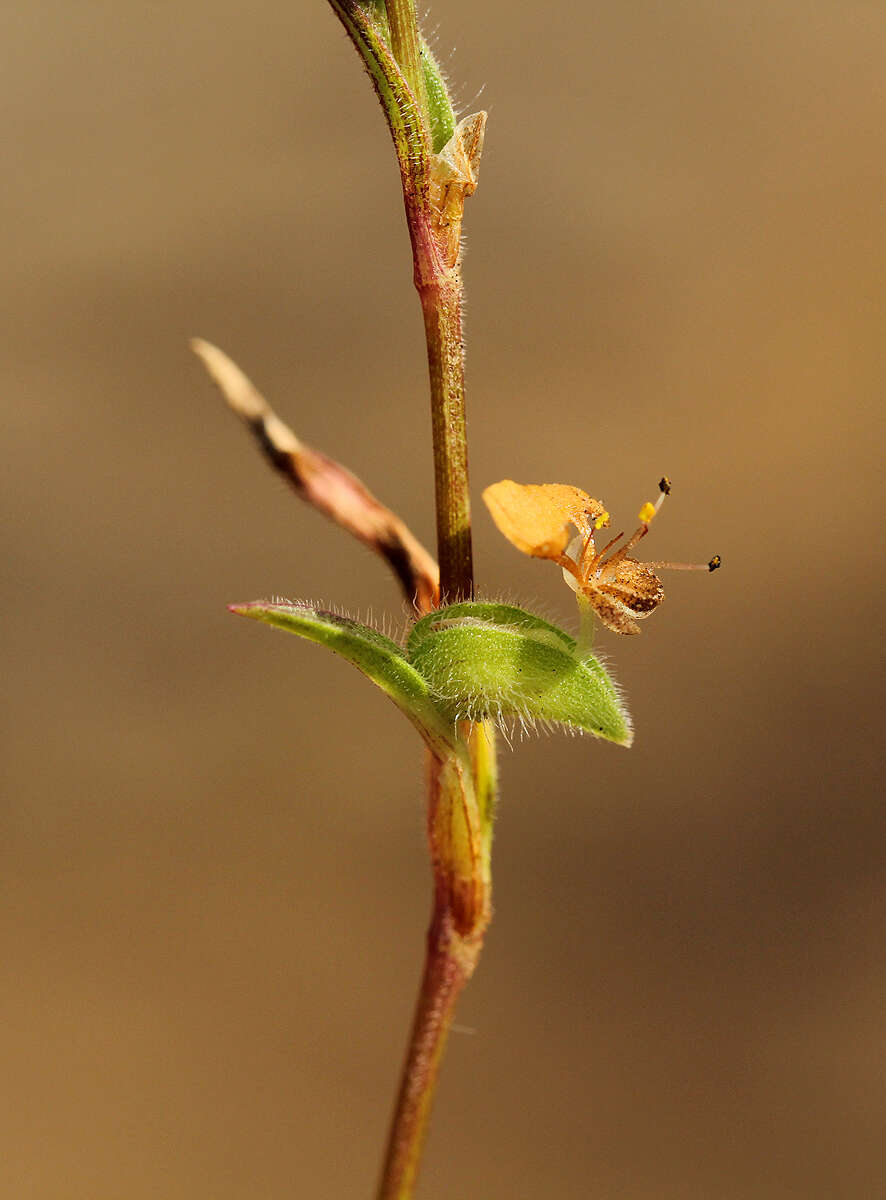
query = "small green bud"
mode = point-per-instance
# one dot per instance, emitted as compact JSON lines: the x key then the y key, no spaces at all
{"x":440,"y":113}
{"x":441,"y":116}
{"x":496,"y":661}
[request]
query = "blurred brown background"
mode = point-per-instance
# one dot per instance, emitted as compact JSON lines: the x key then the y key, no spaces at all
{"x":214,"y":886}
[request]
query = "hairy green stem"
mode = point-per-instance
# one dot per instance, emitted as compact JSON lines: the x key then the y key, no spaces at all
{"x":406,"y":47}
{"x":441,"y":302}
{"x":398,"y":75}
{"x":460,"y":796}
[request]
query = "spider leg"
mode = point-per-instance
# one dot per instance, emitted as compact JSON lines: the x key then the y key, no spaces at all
{"x":598,"y":558}
{"x":570,"y":565}
{"x":624,"y":550}
{"x":586,"y":560}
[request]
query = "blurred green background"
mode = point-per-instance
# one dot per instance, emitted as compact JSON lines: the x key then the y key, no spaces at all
{"x":213,"y":884}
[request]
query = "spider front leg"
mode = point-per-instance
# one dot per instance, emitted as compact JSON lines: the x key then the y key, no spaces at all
{"x":598,"y":558}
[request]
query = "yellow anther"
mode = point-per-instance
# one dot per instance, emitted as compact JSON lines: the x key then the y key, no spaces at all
{"x":602,"y":520}
{"x":647,"y":512}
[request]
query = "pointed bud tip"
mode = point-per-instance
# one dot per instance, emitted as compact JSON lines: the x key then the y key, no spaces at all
{"x":205,"y":351}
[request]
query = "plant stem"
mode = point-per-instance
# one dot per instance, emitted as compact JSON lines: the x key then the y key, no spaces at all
{"x":459,"y":802}
{"x":447,"y":968}
{"x":441,"y":302}
{"x":459,"y":832}
{"x":406,"y":48}
{"x":587,"y":625}
{"x":438,"y":280}
{"x":459,"y":837}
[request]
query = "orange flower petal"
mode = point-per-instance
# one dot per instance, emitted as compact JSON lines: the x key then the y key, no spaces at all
{"x":536,"y":517}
